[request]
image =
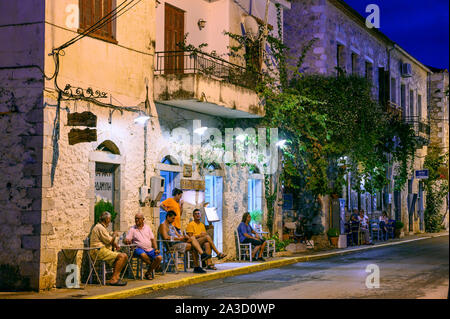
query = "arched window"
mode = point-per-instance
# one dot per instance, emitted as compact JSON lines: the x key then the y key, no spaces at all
{"x":109,"y":147}
{"x":254,"y":170}
{"x":169,"y":160}
{"x":212,"y":166}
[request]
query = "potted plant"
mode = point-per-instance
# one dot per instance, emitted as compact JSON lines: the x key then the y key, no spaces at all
{"x":102,"y":206}
{"x":398,"y":228}
{"x":256,"y":216}
{"x":333,"y":235}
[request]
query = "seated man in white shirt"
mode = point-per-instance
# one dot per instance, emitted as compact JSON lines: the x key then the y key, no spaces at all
{"x":142,"y":235}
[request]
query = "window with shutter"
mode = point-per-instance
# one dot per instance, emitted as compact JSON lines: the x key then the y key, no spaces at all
{"x":91,"y":12}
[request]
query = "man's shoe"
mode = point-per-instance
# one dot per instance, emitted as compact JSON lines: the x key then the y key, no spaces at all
{"x":205,"y":256}
{"x":199,"y":270}
{"x":260,"y":259}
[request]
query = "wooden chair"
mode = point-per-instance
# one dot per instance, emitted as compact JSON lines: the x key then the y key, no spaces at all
{"x":244,"y":250}
{"x":375,"y":230}
{"x":270,"y":243}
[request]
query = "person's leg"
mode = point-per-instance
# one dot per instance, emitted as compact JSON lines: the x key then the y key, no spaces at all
{"x":189,"y":247}
{"x":120,"y":262}
{"x":211,"y":242}
{"x":193,"y":241}
{"x":207,"y":249}
{"x":255,"y":251}
{"x":146,"y":258}
{"x":263,"y":246}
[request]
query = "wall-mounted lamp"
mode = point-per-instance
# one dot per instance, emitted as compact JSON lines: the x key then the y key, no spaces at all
{"x":142,"y":119}
{"x":281,"y":143}
{"x":201,"y":23}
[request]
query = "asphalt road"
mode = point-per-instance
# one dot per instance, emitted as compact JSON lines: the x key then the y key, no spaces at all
{"x":417,"y":269}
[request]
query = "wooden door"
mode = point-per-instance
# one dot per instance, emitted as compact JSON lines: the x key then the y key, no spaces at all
{"x":173,"y":34}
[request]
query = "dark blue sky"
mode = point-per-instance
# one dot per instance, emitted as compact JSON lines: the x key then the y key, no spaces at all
{"x":421,"y":27}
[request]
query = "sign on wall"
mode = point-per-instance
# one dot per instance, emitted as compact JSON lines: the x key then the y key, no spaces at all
{"x":187,"y":170}
{"x":104,"y":184}
{"x":421,"y":174}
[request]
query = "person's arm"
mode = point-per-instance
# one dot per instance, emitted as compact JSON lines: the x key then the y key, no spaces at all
{"x":164,"y":207}
{"x":129,"y":238}
{"x":163,"y":232}
{"x":155,"y":245}
{"x":243,"y":231}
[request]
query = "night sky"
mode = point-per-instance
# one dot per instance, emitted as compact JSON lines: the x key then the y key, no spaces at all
{"x":421,"y":27}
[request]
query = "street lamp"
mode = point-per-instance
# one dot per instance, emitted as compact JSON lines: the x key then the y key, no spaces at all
{"x":281,"y":143}
{"x":142,"y":119}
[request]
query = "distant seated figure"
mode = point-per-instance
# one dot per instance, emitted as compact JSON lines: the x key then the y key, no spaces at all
{"x":364,"y":222}
{"x":142,"y":235}
{"x":354,"y":217}
{"x":248,"y":236}
{"x":198,"y":230}
{"x":100,"y":237}
{"x":168,"y":231}
{"x":384,"y":220}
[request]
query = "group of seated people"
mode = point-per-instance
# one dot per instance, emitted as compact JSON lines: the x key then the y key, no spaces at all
{"x":363,"y":221}
{"x":194,"y":239}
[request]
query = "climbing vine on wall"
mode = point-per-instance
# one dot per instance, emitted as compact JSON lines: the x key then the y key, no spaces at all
{"x":436,"y":187}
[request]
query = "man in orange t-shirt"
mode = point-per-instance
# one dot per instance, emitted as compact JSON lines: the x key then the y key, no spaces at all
{"x":176,"y":204}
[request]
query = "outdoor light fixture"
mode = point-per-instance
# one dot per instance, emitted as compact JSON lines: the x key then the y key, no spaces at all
{"x":200,"y":130}
{"x":201,"y":23}
{"x":240,"y":137}
{"x":142,"y":119}
{"x":281,"y":143}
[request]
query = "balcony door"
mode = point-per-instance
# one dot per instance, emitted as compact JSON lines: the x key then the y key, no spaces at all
{"x":173,"y":34}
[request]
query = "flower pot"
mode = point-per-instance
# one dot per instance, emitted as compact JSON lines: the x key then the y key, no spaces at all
{"x":334,"y":241}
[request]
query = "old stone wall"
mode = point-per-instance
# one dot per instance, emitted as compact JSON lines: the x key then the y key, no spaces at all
{"x":21,"y":135}
{"x":21,"y":141}
{"x":438,"y":108}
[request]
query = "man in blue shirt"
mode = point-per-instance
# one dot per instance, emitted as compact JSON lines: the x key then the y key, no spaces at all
{"x":248,"y":235}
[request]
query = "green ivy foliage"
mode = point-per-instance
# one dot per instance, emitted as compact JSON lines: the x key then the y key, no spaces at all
{"x":436,"y":187}
{"x":104,"y":206}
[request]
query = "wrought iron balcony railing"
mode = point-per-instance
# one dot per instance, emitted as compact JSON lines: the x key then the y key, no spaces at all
{"x":188,"y":62}
{"x":421,"y":127}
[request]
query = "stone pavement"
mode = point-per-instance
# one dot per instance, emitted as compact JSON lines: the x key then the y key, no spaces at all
{"x":225,"y":269}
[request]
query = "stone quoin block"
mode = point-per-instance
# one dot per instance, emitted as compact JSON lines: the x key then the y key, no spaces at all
{"x":31,"y":242}
{"x":31,"y":218}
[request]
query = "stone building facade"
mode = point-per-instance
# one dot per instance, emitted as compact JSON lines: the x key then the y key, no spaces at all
{"x":438,"y":110}
{"x":50,"y":182}
{"x":342,"y":40}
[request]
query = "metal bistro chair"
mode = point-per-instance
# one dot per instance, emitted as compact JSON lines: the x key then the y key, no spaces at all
{"x":97,"y":266}
{"x":391,"y":229}
{"x":244,"y":250}
{"x":375,"y":230}
{"x":171,"y":258}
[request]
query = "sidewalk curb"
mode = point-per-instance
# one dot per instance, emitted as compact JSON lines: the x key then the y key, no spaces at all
{"x":239,"y":271}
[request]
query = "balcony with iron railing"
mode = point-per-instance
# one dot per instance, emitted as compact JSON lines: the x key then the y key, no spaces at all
{"x":421,"y":129}
{"x":206,"y":83}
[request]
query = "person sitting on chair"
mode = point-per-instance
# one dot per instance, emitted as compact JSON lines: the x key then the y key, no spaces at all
{"x":364,"y":221}
{"x":100,"y":237}
{"x":168,"y":232}
{"x":142,"y":235}
{"x":384,"y":220}
{"x":248,"y":235}
{"x":197,"y":229}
